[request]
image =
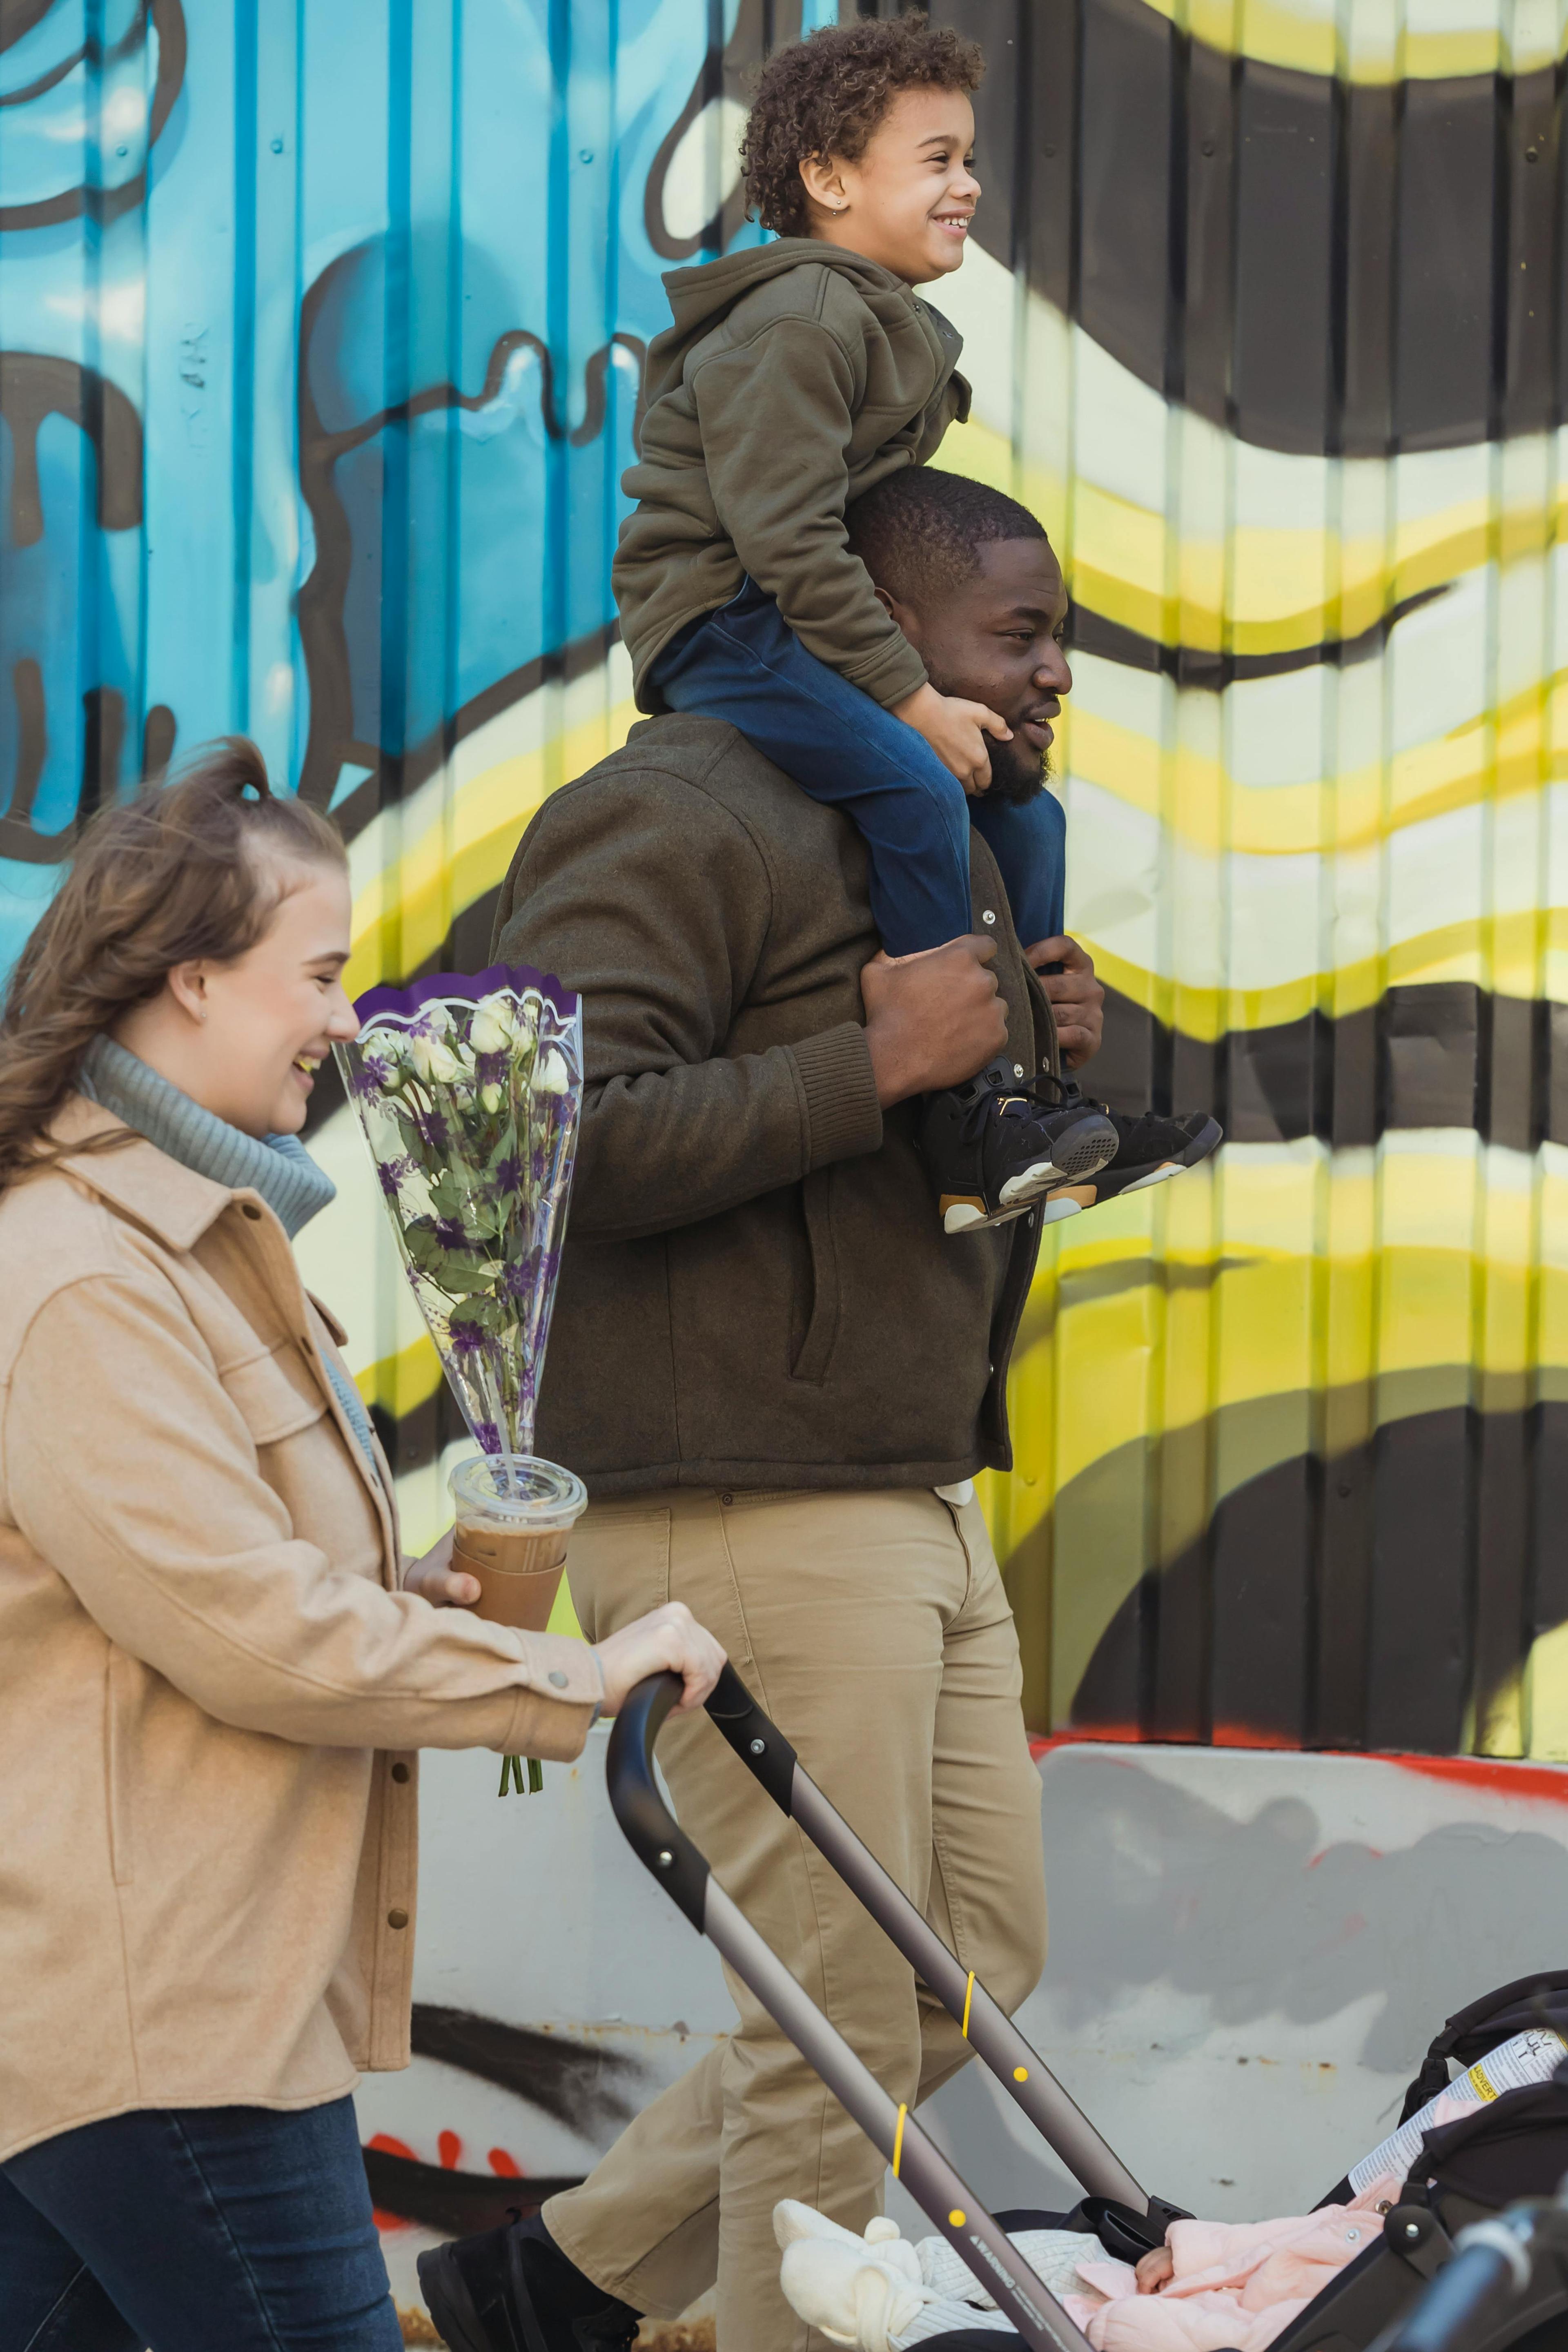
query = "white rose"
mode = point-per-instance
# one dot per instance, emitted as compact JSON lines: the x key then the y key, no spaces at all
{"x":433,"y":1061}
{"x":491,"y":1098}
{"x":383,"y":1060}
{"x":494,"y":1026}
{"x":551,"y":1074}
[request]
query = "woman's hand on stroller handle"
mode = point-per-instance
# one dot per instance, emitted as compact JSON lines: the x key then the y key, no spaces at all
{"x":668,"y":1640}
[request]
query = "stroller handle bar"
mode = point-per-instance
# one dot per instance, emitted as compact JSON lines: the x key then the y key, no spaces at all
{"x":769,"y":1758}
{"x":670,"y":1856}
{"x":1495,"y":2263}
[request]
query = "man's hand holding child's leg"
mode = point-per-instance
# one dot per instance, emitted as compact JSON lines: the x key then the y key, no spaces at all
{"x":933,"y":1019}
{"x":1078,"y":999}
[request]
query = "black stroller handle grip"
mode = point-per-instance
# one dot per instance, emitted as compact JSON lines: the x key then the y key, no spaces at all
{"x":655,"y":1836}
{"x":1022,"y":2073}
{"x":671,"y":1857}
{"x":756,"y":1740}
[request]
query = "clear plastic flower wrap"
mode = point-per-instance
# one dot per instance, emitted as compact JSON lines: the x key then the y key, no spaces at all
{"x":468,"y":1092}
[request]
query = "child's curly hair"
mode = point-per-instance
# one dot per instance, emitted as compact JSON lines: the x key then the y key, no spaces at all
{"x":825,"y":95}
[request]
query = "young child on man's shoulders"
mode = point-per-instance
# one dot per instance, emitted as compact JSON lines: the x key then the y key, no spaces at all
{"x":797,"y":377}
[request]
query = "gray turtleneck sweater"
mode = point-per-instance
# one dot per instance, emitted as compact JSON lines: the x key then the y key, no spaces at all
{"x":278,"y":1167}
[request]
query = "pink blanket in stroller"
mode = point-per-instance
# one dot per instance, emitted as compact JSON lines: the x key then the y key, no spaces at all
{"x":1233,"y":2283}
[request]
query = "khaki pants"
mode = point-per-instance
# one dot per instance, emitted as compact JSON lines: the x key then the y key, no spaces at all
{"x":873,"y":1628}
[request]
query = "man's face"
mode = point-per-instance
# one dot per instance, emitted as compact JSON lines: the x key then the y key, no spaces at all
{"x":997,"y":639}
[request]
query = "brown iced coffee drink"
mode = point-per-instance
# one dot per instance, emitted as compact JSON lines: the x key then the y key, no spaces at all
{"x":514,"y":1517}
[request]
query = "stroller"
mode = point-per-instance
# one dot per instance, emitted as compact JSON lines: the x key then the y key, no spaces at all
{"x":1468,"y":2169}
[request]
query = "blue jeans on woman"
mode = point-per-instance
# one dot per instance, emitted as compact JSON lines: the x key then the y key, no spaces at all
{"x":745,"y":663}
{"x":192,"y":2229}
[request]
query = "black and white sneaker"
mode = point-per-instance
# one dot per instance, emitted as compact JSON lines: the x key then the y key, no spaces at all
{"x":1149,"y":1150}
{"x":994,"y":1146}
{"x":513,"y":2290}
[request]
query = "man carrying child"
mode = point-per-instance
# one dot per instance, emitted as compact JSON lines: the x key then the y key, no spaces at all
{"x":805,"y":908}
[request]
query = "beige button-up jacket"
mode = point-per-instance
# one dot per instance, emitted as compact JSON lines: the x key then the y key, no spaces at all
{"x":208,"y":1670}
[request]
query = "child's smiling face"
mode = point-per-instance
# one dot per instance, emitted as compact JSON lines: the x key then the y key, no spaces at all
{"x":907,"y":203}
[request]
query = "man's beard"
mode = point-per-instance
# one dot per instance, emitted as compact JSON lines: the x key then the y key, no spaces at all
{"x":1019,"y":771}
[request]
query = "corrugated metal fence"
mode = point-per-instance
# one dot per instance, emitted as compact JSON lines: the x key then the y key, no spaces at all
{"x":319,"y":340}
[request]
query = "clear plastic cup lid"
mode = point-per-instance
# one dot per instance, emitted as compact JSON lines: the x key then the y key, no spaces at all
{"x":518,"y":1490}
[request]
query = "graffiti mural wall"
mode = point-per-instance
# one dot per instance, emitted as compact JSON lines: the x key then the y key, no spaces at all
{"x":320,"y":333}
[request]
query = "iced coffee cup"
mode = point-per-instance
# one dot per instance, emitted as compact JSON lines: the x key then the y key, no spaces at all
{"x":514,"y":1517}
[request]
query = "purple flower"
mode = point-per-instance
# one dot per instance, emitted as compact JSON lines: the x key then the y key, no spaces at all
{"x":508,"y":1174}
{"x":433,"y":1128}
{"x":391,"y":1173}
{"x":488,"y":1436}
{"x":451,"y":1235}
{"x":468,"y":1339}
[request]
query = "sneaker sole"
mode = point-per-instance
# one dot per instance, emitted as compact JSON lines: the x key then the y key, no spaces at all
{"x":1084,"y":1150}
{"x":1161,"y":1175}
{"x":1079,"y":1154}
{"x":971,"y":1216}
{"x":449,"y":2304}
{"x":1160,"y":1171}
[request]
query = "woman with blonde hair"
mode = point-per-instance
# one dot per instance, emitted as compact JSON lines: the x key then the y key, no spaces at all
{"x":214,"y":1667}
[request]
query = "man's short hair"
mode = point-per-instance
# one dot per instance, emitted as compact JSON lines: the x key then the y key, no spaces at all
{"x":920,"y":532}
{"x":825,"y":95}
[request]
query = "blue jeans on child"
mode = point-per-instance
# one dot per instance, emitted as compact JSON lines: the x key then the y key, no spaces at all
{"x":742,"y":663}
{"x":194,"y":2227}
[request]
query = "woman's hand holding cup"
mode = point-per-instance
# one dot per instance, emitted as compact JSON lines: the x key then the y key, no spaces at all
{"x":434,"y":1579}
{"x":666,"y":1639}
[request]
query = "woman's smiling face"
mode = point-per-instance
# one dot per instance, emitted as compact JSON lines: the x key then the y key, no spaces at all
{"x":243,"y":1037}
{"x":275,"y":1012}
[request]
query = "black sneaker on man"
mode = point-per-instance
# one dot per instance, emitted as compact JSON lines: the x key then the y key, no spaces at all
{"x":1149,"y":1150}
{"x":994,"y":1146}
{"x":513,"y":2290}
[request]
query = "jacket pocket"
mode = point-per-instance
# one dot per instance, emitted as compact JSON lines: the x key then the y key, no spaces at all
{"x":276,"y":1394}
{"x":122,"y":1683}
{"x":821,"y":1337}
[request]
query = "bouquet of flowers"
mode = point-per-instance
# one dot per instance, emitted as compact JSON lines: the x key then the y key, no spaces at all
{"x":469,"y":1093}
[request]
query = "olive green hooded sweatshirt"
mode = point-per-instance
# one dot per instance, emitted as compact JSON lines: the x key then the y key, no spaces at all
{"x":796,"y":377}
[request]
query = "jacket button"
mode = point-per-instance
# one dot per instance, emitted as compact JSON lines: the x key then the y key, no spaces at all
{"x":558,"y":1678}
{"x":397,"y":1919}
{"x":728,"y":1501}
{"x":1017,"y":1069}
{"x":988,"y":917}
{"x":400,"y":1772}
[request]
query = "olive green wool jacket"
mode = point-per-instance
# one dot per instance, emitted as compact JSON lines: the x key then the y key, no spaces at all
{"x":755,"y":1290}
{"x":795,"y":378}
